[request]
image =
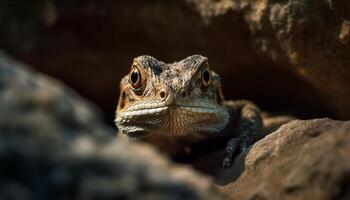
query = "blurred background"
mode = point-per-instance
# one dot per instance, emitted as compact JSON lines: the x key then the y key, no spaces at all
{"x":286,"y":63}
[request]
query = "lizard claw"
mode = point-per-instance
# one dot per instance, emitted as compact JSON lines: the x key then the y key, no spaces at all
{"x":231,"y":147}
{"x":226,"y":163}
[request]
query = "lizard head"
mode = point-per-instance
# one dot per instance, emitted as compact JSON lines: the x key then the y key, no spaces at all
{"x":179,"y":99}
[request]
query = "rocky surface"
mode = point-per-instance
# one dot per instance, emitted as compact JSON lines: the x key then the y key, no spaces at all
{"x":53,"y":145}
{"x":311,"y":39}
{"x":283,"y":55}
{"x":36,"y":101}
{"x":301,"y":160}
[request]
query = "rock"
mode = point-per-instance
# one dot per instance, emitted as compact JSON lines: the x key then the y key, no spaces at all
{"x":309,"y":39}
{"x":34,"y":101}
{"x":53,"y":145}
{"x":90,"y":46}
{"x":301,"y":160}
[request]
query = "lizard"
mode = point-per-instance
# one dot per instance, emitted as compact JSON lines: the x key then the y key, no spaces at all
{"x":175,"y":105}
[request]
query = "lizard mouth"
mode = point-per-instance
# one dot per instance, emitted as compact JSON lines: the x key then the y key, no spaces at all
{"x":140,"y":121}
{"x":161,"y":107}
{"x":138,"y":135}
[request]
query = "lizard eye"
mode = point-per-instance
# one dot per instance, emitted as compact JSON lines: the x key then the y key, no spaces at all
{"x":135,"y":77}
{"x":206,"y":78}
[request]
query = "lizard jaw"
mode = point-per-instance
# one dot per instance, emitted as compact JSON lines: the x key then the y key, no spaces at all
{"x":140,"y":120}
{"x":159,"y":110}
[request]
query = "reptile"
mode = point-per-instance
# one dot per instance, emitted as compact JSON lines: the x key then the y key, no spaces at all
{"x":175,"y":106}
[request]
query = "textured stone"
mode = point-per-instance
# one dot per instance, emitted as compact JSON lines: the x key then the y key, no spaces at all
{"x":301,"y":160}
{"x":309,"y":39}
{"x":310,"y":36}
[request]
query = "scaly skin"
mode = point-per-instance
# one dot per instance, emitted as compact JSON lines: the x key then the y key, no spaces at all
{"x":177,"y":105}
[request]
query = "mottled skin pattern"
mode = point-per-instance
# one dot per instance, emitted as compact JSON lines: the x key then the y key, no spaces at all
{"x":177,"y":105}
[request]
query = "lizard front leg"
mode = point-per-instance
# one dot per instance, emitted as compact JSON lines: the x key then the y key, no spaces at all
{"x":249,"y":123}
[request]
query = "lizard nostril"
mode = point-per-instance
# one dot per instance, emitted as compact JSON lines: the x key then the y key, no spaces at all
{"x":162,"y":94}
